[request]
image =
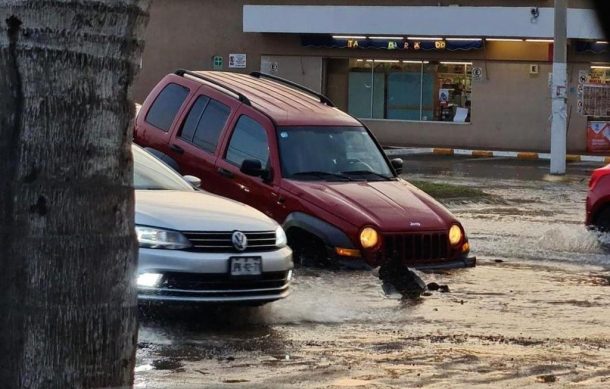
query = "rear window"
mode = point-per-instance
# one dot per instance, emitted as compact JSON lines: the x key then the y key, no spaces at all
{"x":163,"y":111}
{"x":205,"y":122}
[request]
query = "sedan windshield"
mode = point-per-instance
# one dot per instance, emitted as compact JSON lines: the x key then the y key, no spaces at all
{"x":331,"y":154}
{"x":152,"y":174}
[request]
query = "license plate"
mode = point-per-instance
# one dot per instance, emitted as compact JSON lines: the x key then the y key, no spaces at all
{"x":246,"y":266}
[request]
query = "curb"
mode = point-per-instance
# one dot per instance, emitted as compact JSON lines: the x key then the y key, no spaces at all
{"x":523,"y":155}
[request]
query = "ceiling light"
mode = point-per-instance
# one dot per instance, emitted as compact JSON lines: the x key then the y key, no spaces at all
{"x":503,"y":40}
{"x":416,"y":38}
{"x":386,"y":37}
{"x":349,"y":37}
{"x":601,"y":42}
{"x":386,"y":61}
{"x":464,"y":39}
{"x":600,"y":67}
{"x":455,"y":63}
{"x":540,"y":40}
{"x":417,"y":62}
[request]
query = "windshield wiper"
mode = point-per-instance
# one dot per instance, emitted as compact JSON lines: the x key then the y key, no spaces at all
{"x":150,"y":188}
{"x":323,"y":175}
{"x":367,"y":173}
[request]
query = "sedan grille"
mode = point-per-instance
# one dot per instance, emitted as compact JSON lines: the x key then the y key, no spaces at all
{"x":220,"y":242}
{"x":416,"y":247}
{"x":223,"y":282}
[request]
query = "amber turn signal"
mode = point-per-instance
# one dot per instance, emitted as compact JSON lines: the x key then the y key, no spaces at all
{"x":347,"y":252}
{"x":465,"y":247}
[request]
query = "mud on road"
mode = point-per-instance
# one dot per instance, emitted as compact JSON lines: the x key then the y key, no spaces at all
{"x":534,"y":312}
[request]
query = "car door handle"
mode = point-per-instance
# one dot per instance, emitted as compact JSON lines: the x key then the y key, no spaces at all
{"x":278,"y":198}
{"x":177,"y":149}
{"x":225,"y":173}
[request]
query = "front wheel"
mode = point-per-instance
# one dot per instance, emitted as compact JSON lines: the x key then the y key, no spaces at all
{"x":307,"y":250}
{"x":602,"y":221}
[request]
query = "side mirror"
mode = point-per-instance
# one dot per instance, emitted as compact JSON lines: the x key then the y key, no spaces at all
{"x":194,"y":181}
{"x":252,"y":167}
{"x":397,"y":165}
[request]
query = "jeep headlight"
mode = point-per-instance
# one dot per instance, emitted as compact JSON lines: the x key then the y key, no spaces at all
{"x":369,"y":237}
{"x":280,"y":237}
{"x":455,"y":235}
{"x":156,"y":238}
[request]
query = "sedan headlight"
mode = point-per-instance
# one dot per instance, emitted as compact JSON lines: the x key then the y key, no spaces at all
{"x":455,"y":235}
{"x":156,"y":238}
{"x":369,"y":237}
{"x":280,"y":237}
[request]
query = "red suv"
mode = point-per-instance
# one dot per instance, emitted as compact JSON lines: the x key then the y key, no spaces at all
{"x":598,"y":199}
{"x":287,"y":151}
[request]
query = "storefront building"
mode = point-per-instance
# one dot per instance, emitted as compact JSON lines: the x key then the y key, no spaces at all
{"x":467,"y":74}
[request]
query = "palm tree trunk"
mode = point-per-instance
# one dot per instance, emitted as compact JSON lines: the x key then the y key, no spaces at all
{"x":67,"y":247}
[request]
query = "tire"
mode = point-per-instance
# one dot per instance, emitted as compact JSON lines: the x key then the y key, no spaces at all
{"x":307,"y":250}
{"x":602,"y":220}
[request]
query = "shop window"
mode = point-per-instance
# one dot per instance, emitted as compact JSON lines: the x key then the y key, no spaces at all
{"x":409,"y":90}
{"x":594,"y":103}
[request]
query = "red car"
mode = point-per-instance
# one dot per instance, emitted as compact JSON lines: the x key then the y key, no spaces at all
{"x":287,"y":151}
{"x":598,"y":199}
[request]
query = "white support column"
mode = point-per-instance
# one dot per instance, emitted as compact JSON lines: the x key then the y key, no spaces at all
{"x":559,"y":91}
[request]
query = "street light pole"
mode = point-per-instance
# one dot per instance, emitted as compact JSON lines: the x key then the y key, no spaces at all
{"x":559,"y":91}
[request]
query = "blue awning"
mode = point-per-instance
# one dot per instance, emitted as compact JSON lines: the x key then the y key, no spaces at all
{"x":591,"y":47}
{"x":327,"y":41}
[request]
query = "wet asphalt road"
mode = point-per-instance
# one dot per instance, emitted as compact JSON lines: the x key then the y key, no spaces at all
{"x":534,"y":312}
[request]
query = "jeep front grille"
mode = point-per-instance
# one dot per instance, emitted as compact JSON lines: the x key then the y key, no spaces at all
{"x":416,"y":247}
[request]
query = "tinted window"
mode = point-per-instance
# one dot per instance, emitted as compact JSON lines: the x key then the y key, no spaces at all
{"x":151,"y":174}
{"x":166,"y":106}
{"x":193,"y":118}
{"x":210,"y":125}
{"x":347,"y":151}
{"x":249,"y":141}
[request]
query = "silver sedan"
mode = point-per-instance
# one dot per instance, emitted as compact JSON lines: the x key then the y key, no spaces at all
{"x":203,"y":248}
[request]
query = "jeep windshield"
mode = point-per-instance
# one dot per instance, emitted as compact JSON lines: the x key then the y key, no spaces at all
{"x":331,"y":154}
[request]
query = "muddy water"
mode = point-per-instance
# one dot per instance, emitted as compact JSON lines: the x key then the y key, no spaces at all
{"x":535,"y":312}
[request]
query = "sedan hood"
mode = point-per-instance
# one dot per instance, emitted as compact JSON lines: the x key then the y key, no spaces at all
{"x":197,"y":211}
{"x":392,"y":206}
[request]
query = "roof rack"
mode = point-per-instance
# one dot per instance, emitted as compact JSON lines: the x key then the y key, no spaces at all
{"x":323,"y":99}
{"x":240,"y":96}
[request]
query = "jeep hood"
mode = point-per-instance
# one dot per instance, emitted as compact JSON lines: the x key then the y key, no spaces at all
{"x":392,"y":206}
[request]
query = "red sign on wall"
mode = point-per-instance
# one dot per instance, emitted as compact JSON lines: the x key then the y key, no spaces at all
{"x":598,"y":136}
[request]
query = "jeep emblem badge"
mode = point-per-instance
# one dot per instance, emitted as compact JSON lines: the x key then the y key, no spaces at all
{"x":415,"y":224}
{"x":239,"y":240}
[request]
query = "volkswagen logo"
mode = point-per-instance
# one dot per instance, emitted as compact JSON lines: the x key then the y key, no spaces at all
{"x":240,"y":241}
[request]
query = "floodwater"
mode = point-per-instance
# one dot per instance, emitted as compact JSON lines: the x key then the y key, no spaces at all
{"x":534,"y":312}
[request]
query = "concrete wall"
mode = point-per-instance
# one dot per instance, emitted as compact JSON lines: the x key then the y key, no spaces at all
{"x":510,"y":108}
{"x":187,"y":33}
{"x":307,"y":71}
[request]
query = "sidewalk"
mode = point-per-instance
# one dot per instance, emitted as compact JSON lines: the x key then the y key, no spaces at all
{"x":395,"y":151}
